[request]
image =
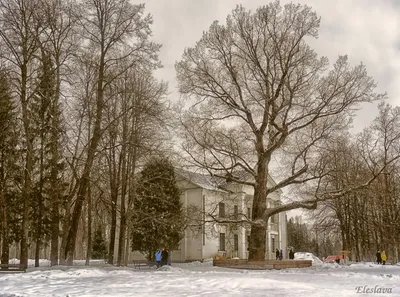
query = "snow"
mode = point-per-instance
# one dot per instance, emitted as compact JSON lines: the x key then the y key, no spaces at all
{"x":199,"y":279}
{"x":46,"y":263}
{"x":308,"y":256}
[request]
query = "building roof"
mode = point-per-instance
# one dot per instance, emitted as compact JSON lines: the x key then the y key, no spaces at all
{"x":202,"y":180}
{"x":209,"y":182}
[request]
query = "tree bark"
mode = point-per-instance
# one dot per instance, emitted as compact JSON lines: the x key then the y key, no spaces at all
{"x":54,"y":180}
{"x":27,"y":187}
{"x":89,"y":227}
{"x":258,"y":233}
{"x":114,"y":200}
{"x":5,"y":247}
{"x":124,"y":182}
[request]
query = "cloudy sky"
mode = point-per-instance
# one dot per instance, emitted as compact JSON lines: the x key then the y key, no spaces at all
{"x":366,"y":30}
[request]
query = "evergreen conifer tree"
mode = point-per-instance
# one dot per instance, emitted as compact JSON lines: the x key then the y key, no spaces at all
{"x":158,"y":217}
{"x":99,"y":247}
{"x":9,"y":203}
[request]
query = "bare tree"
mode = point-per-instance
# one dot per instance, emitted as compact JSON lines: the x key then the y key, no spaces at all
{"x":115,"y":31}
{"x":261,"y":94}
{"x":59,"y":38}
{"x":19,"y":34}
{"x":366,"y":218}
{"x":135,"y":117}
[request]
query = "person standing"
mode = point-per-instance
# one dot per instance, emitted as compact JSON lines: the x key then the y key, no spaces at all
{"x":277,"y":254}
{"x":158,"y":258}
{"x":281,"y":255}
{"x":291,"y":254}
{"x":164,"y":257}
{"x":378,"y":257}
{"x":168,"y":258}
{"x":383,"y":257}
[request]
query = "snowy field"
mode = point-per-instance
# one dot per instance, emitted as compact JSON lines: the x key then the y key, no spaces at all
{"x":201,"y":279}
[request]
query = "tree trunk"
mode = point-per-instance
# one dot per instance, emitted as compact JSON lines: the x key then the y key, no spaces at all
{"x":55,"y":183}
{"x":65,"y":228}
{"x":5,"y":246}
{"x":26,"y":190}
{"x":124,"y":185}
{"x":89,"y":227}
{"x":37,"y":251}
{"x":114,"y":200}
{"x":122,"y":234}
{"x":257,"y":245}
{"x":39,"y":227}
{"x":127,"y":247}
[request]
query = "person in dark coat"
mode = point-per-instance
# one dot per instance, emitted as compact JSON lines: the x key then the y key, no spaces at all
{"x":291,"y":254}
{"x":169,"y":258}
{"x":277,"y":254}
{"x":378,"y":257}
{"x":281,"y":255}
{"x":164,"y":257}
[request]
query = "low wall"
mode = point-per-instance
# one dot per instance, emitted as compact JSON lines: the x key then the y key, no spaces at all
{"x":267,"y":264}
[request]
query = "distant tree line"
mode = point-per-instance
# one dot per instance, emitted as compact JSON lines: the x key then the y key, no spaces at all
{"x":368,"y":219}
{"x":304,"y":237}
{"x":365,"y":220}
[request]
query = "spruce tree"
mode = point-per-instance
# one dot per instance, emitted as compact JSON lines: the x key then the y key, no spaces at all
{"x":9,"y":203}
{"x":99,"y":247}
{"x":40,"y":108}
{"x":158,"y":217}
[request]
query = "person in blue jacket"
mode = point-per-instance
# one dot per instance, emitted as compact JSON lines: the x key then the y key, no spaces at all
{"x":158,"y":258}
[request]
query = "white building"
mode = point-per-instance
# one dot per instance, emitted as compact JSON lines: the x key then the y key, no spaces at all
{"x":203,"y":195}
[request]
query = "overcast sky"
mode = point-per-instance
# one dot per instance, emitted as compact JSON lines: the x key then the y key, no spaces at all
{"x":366,"y":30}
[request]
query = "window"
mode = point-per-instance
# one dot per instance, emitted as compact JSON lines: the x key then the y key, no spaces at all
{"x":235,"y":211}
{"x":221,"y":207}
{"x":248,"y":241}
{"x":273,"y":247}
{"x":222,"y":241}
{"x":235,"y":242}
{"x":249,"y":212}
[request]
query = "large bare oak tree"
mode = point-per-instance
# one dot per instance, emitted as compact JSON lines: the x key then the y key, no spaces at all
{"x":259,"y":94}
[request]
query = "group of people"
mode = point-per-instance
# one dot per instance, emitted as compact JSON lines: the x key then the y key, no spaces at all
{"x":381,"y":257}
{"x":162,"y":257}
{"x":279,"y":254}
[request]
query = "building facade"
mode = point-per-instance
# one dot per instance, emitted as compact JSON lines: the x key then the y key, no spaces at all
{"x":206,"y":200}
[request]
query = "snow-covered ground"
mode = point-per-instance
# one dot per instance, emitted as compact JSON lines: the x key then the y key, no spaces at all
{"x":308,"y":256}
{"x":201,"y":279}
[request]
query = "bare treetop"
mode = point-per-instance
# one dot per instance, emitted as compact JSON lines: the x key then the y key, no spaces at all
{"x":256,"y":75}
